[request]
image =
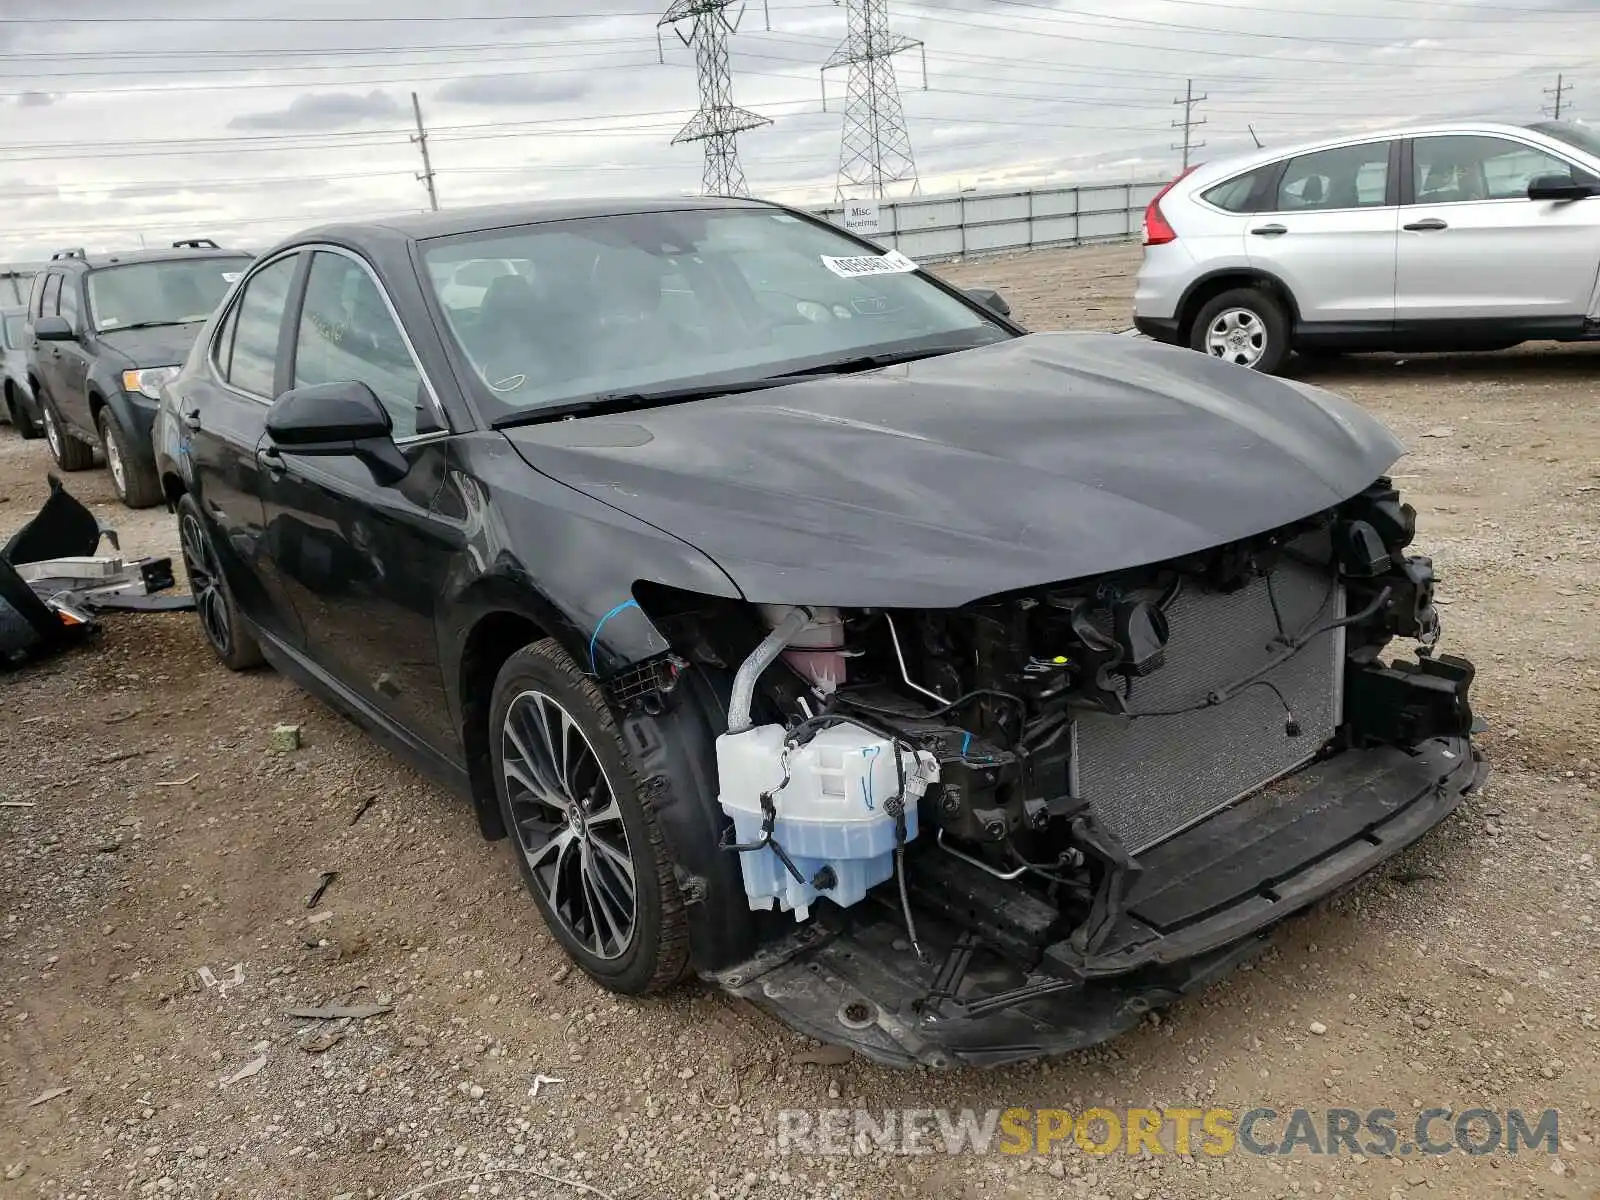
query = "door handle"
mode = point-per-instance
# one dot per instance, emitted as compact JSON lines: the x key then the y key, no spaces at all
{"x":1431,"y":225}
{"x":192,"y":418}
{"x":1270,"y":230}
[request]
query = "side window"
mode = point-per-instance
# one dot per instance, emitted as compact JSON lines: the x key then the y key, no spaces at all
{"x":69,"y":303}
{"x":1242,"y":193}
{"x":35,"y":293}
{"x":1344,"y":177}
{"x":1462,"y":168}
{"x":258,"y":319}
{"x":52,"y":294}
{"x":222,"y":345}
{"x":346,"y":333}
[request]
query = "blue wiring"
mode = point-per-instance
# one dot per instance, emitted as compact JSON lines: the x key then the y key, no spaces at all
{"x":966,"y":740}
{"x":594,"y":638}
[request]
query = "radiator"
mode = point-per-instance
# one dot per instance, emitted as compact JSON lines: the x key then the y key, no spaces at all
{"x":1148,"y":778}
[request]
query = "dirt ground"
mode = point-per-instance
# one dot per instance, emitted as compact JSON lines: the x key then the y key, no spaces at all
{"x":165,"y":836}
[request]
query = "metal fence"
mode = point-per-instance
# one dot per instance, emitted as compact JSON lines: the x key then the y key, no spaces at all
{"x":934,"y":228}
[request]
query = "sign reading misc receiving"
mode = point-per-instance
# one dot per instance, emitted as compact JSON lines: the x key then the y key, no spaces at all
{"x":892,"y":263}
{"x":861,"y":217}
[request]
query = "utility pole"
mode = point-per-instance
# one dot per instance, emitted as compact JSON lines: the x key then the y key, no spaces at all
{"x":421,"y":139}
{"x":1189,"y":123}
{"x":720,"y":120}
{"x":1560,"y":91}
{"x":875,"y":146}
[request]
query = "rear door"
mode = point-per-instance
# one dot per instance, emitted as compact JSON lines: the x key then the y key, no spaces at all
{"x":1473,"y":247}
{"x":72,"y":367}
{"x":1328,"y":232}
{"x":224,"y":414}
{"x":364,"y":563}
{"x":46,"y":356}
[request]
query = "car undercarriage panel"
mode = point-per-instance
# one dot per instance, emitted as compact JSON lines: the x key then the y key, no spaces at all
{"x":1200,"y":904}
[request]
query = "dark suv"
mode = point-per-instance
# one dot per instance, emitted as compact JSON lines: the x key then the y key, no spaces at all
{"x":103,"y":334}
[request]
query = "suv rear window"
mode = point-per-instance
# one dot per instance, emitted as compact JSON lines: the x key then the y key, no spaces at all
{"x":1243,"y":193}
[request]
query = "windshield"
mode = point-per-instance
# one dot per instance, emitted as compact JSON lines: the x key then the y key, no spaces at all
{"x":160,"y":293}
{"x":1584,"y":137}
{"x":652,"y":302}
{"x":13,"y":331}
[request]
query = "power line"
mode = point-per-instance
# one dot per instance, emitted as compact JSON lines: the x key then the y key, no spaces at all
{"x":1559,"y":92}
{"x":875,"y":145}
{"x":1190,"y":122}
{"x":719,"y":122}
{"x":593,"y":14}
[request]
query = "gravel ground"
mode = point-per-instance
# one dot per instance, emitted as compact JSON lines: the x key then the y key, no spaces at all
{"x":166,"y":836}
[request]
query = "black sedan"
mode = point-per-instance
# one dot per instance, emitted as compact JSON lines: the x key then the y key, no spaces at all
{"x":957,"y":693}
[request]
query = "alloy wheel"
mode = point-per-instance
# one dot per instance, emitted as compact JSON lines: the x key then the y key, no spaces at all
{"x":205,"y":583}
{"x":1237,"y":335}
{"x":569,"y":825}
{"x":52,"y":435}
{"x":119,"y":473}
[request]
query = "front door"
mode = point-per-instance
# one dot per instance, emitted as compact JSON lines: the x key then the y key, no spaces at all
{"x":364,"y":562}
{"x":1473,"y":247}
{"x":224,"y":416}
{"x":72,"y":368}
{"x":1329,"y":235}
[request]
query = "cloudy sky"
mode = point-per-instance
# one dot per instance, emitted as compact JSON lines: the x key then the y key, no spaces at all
{"x":153,"y":119}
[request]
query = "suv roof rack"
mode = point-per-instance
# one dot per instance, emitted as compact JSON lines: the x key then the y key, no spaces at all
{"x":74,"y":252}
{"x":195,"y":244}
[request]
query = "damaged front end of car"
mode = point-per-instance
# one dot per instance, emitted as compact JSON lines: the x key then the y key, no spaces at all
{"x":1009,"y":829}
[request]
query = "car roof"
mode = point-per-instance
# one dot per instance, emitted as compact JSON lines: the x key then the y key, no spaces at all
{"x":422,"y":226}
{"x":120,"y":258}
{"x":1222,"y":168}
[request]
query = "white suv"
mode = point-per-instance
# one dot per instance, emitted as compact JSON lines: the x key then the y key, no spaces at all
{"x":1471,"y":237}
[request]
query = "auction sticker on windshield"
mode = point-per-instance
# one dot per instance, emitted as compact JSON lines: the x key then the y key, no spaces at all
{"x":892,"y":263}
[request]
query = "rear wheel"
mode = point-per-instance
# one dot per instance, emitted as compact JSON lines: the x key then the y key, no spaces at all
{"x":133,"y":474}
{"x":1244,"y":326}
{"x":70,"y":454}
{"x":21,"y":417}
{"x":587,"y":841}
{"x":220,"y":619}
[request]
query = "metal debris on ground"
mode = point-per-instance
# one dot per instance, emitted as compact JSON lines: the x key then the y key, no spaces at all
{"x":285,"y":738}
{"x":253,"y":1067}
{"x":178,"y":782}
{"x":17,"y":804}
{"x":322,"y":886}
{"x":335,"y":1012}
{"x":47,"y":1096}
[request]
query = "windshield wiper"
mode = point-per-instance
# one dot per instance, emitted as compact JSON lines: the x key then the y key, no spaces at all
{"x":618,"y":402}
{"x":150,"y":325}
{"x":871,"y":362}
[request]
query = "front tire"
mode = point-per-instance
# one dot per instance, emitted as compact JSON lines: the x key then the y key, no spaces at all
{"x":587,"y":841}
{"x":70,"y":454}
{"x":220,"y":618}
{"x":1244,"y":326}
{"x":133,"y":475}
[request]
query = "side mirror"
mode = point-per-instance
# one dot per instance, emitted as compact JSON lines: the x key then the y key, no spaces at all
{"x":338,"y":419}
{"x":53,"y":329}
{"x":1559,"y":187}
{"x":990,"y":299}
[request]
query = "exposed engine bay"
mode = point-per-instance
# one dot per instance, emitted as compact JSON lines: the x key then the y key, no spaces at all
{"x":1077,"y":777}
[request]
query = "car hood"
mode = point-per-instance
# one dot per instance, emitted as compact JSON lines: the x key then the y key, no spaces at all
{"x":1043,"y":458}
{"x":158,"y":346}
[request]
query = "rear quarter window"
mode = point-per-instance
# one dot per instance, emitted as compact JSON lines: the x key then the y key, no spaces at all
{"x":1243,"y":193}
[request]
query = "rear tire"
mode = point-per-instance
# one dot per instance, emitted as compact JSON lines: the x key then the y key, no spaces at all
{"x":70,"y":454}
{"x":1245,"y":326}
{"x":586,"y":838}
{"x":132,"y":474}
{"x":220,"y":618}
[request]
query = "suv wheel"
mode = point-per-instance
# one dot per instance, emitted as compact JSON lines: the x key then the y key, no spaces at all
{"x":134,"y":475}
{"x":21,"y":419}
{"x":1245,"y":326}
{"x":587,"y":841}
{"x":70,"y":454}
{"x":220,"y":619}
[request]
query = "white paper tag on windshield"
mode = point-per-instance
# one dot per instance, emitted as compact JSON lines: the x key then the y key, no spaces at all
{"x":232,"y":276}
{"x":892,"y":263}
